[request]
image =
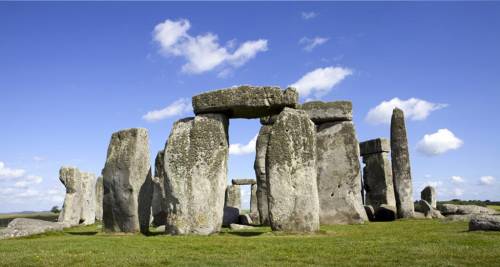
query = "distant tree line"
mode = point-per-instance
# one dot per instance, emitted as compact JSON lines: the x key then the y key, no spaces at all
{"x":482,"y":203}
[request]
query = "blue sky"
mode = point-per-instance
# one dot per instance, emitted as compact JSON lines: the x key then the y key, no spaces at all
{"x":71,"y":74}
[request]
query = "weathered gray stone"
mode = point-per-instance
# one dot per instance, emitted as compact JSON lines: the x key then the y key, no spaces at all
{"x":370,"y":212}
{"x":245,"y":219}
{"x":339,"y":178}
{"x":196,"y":173}
{"x":377,"y":178}
{"x":87,"y":215}
{"x":72,"y":207}
{"x":254,"y":210}
{"x":260,"y":173}
{"x":448,"y":209}
{"x":99,"y":192}
{"x":268,"y":120}
{"x":401,"y":171}
{"x":428,"y":210}
{"x":127,"y":182}
{"x":374,"y":146}
{"x":429,"y":195}
{"x":243,"y":181}
{"x":419,"y":215}
{"x":159,"y":205}
{"x":25,"y":227}
{"x":485,"y":223}
{"x":385,"y":213}
{"x":245,"y":101}
{"x":321,"y":112}
{"x":291,"y":173}
{"x":232,"y":205}
{"x":235,"y":226}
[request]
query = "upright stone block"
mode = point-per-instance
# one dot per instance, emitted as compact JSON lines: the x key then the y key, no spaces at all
{"x":253,"y":200}
{"x":401,"y":171}
{"x":196,"y":174}
{"x":429,"y":195}
{"x":339,"y":177}
{"x":127,"y":182}
{"x":72,"y":208}
{"x":159,"y":205}
{"x":87,"y":215}
{"x":99,"y":191}
{"x":260,"y":173}
{"x":232,"y":205}
{"x":291,"y":173}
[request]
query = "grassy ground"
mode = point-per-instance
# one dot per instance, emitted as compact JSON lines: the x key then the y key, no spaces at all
{"x":497,"y":208}
{"x":400,"y":243}
{"x":46,"y":216}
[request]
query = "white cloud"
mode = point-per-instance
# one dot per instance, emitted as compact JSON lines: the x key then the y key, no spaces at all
{"x":457,"y":192}
{"x":486,"y":180}
{"x":179,"y":107}
{"x":414,"y":109}
{"x":28,"y":181}
{"x":6,"y":172}
{"x":309,"y":15}
{"x":310,"y":44}
{"x":38,"y":158}
{"x":457,"y":179}
{"x":203,"y":52}
{"x":240,"y":149}
{"x":320,"y":81}
{"x":438,"y":143}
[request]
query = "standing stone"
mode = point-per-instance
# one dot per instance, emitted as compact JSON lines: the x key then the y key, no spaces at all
{"x":196,"y":173}
{"x":377,"y":173}
{"x":87,"y":214}
{"x":72,"y":207}
{"x":159,"y":205}
{"x":232,"y":205}
{"x":401,"y":171}
{"x":339,"y":177}
{"x":99,"y":191}
{"x":127,"y":182}
{"x":429,"y":195}
{"x":254,"y":211}
{"x":260,"y":173}
{"x":291,"y":173}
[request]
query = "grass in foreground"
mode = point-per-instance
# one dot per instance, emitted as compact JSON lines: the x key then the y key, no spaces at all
{"x":400,"y":243}
{"x":495,"y":207}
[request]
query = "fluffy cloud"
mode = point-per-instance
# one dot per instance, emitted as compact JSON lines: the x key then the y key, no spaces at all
{"x":486,"y":180}
{"x":310,"y":44}
{"x":320,"y":81}
{"x":457,"y":179}
{"x":179,"y":107}
{"x":309,"y":15}
{"x":6,"y":172}
{"x":240,"y":149}
{"x":28,"y":181}
{"x":202,"y":52}
{"x":414,"y":109}
{"x":457,"y":192}
{"x":438,"y":143}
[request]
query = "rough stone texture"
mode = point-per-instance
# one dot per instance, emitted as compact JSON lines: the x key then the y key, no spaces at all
{"x":260,"y":173}
{"x":485,"y":223}
{"x":254,"y":210}
{"x":72,"y":207}
{"x":243,"y":181}
{"x":235,"y":226}
{"x":25,"y":227}
{"x":245,"y":219}
{"x":196,"y":156}
{"x":339,"y":177}
{"x":370,"y":212}
{"x":245,"y":101}
{"x":127,"y":182}
{"x":401,"y":171}
{"x":232,"y":205}
{"x":268,"y":120}
{"x":419,"y":215}
{"x":374,"y":146}
{"x":87,"y":215}
{"x":450,"y":209}
{"x":291,"y":173}
{"x":159,"y":205}
{"x":99,"y":192}
{"x":429,"y":195}
{"x":377,"y":178}
{"x":428,"y":210}
{"x":320,"y":112}
{"x":385,"y":213}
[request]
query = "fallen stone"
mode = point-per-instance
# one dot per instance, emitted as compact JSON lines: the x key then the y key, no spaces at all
{"x":245,"y":101}
{"x":245,"y":219}
{"x":72,"y":208}
{"x":99,"y":192}
{"x":419,"y":215}
{"x":235,"y":226}
{"x":370,"y":212}
{"x":449,"y":209}
{"x":87,"y":215}
{"x":160,"y":228}
{"x":260,"y":174}
{"x":158,"y":204}
{"x":25,"y":227}
{"x":232,"y":205}
{"x":401,"y":171}
{"x":428,"y":210}
{"x":243,"y":181}
{"x":291,"y":173}
{"x":485,"y":223}
{"x":429,"y":195}
{"x":196,"y":174}
{"x":127,"y":182}
{"x":321,"y":112}
{"x":385,"y":213}
{"x":339,"y":177}
{"x":374,"y":146}
{"x":377,"y":178}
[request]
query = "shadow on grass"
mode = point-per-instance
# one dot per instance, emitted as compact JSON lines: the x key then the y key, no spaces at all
{"x":82,"y":233}
{"x":244,"y":234}
{"x":154,"y":233}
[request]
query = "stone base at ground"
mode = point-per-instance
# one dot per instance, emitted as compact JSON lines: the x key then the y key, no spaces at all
{"x":25,"y":227}
{"x":485,"y":223}
{"x":449,"y":209}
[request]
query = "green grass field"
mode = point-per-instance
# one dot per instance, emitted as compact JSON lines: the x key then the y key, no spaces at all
{"x":497,"y":208}
{"x":400,"y":243}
